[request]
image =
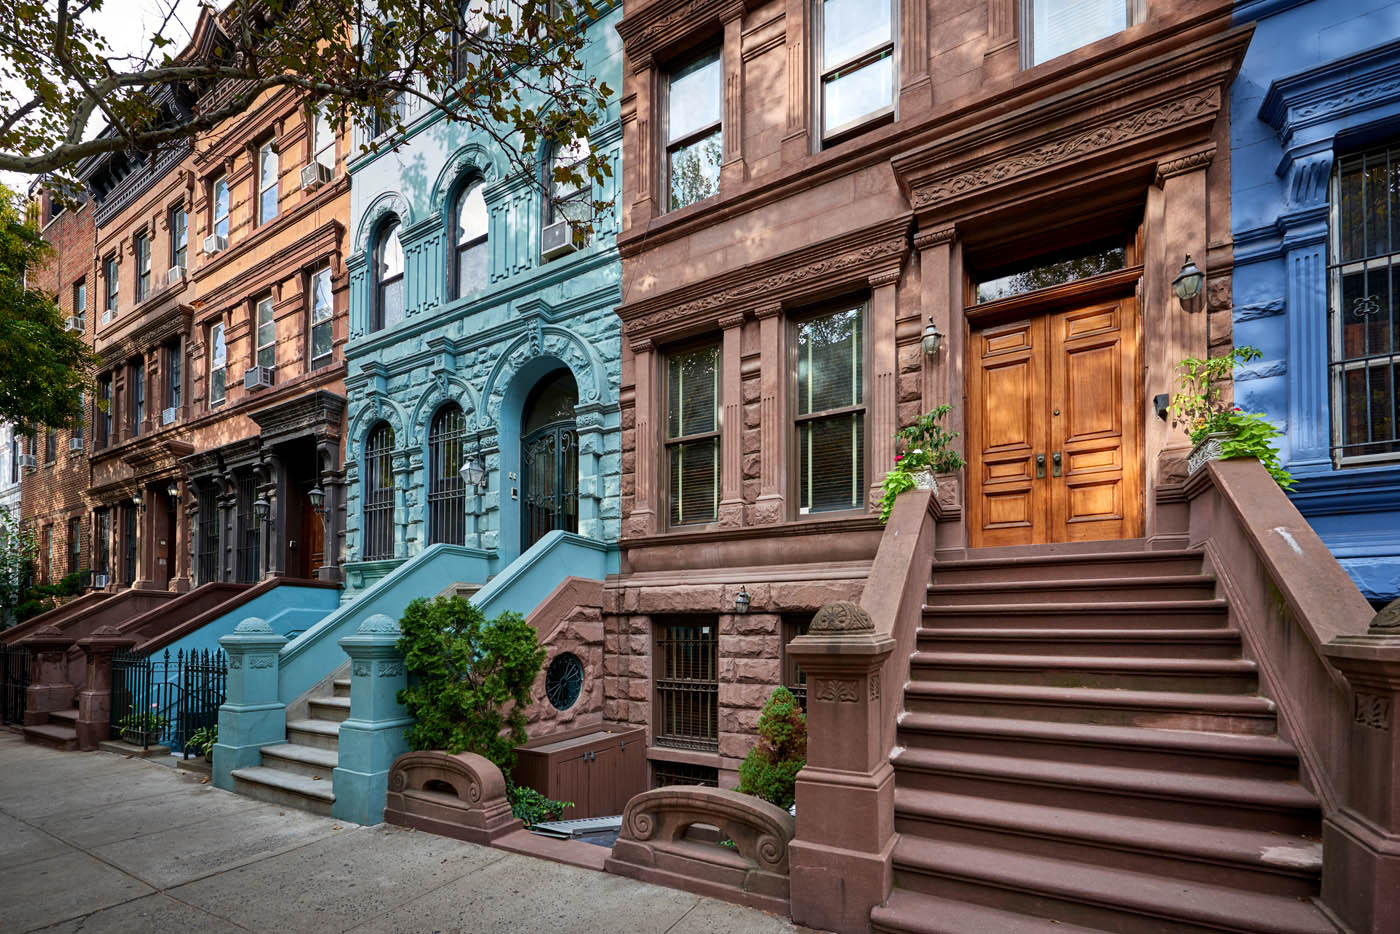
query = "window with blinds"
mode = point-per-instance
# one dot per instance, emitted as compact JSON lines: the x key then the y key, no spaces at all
{"x":692,"y":434}
{"x":830,"y":411}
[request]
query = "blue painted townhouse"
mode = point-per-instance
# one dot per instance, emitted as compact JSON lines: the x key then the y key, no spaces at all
{"x":1315,"y":140}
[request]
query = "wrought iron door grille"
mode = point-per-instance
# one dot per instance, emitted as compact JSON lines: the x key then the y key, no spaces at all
{"x":447,"y":492}
{"x":683,"y":773}
{"x":550,"y":470}
{"x":208,"y":537}
{"x":165,"y":699}
{"x":14,"y":682}
{"x":129,"y":521}
{"x":687,"y":690}
{"x":379,"y":495}
{"x":249,"y":535}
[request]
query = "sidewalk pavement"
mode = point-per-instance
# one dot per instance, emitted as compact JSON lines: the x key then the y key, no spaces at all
{"x":99,"y":843}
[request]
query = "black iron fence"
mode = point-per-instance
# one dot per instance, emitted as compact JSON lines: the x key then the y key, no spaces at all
{"x":166,"y":699}
{"x":14,"y":682}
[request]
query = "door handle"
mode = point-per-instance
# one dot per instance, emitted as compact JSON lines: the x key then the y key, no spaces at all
{"x":1055,"y":460}
{"x":1040,"y":466}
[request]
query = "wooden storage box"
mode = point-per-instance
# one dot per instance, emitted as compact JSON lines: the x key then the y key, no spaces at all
{"x":599,"y":771}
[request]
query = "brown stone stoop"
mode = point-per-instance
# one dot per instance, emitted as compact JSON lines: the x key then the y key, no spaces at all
{"x":1084,"y":749}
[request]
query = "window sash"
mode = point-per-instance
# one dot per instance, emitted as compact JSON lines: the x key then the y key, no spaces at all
{"x":323,"y":139}
{"x":143,"y":266}
{"x":379,"y":495}
{"x":692,"y":435}
{"x":220,"y":198}
{"x":138,"y":397}
{"x":856,"y":61}
{"x":823,"y":408}
{"x":267,"y":183}
{"x":179,"y":236}
{"x":322,"y":313}
{"x":218,"y":364}
{"x":267,"y":334}
{"x":174,"y":365}
{"x":447,"y":492}
{"x":1041,"y":43}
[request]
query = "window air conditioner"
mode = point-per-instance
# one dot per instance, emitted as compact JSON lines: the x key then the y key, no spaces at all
{"x":26,"y":460}
{"x":315,"y":175}
{"x":257,"y":377}
{"x":100,"y":581}
{"x":557,"y":240}
{"x":75,"y":444}
{"x":167,"y":415}
{"x":174,"y":275}
{"x":214,"y":243}
{"x":74,"y":323}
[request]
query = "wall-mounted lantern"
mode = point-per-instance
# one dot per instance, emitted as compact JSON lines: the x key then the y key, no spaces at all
{"x":473,"y":475}
{"x":262,"y":509}
{"x":1187,"y":285}
{"x":173,"y":491}
{"x":932,"y":339}
{"x":741,"y":601}
{"x":318,"y":500}
{"x":138,"y":500}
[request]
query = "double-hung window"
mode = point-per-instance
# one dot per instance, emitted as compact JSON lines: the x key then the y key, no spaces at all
{"x":687,"y":684}
{"x":80,"y":304}
{"x":570,"y":200}
{"x":1050,"y":28}
{"x":75,"y":544}
{"x":378,"y":540}
{"x":104,"y":410}
{"x":830,"y":411}
{"x":143,"y":266}
{"x":473,"y":227}
{"x":179,"y":236}
{"x":267,"y":182}
{"x":174,"y":374}
{"x":267,"y":333}
{"x":218,"y":364}
{"x":136,"y":383}
{"x":220,"y":198}
{"x":109,"y":286}
{"x":1365,"y":306}
{"x":388,"y":273}
{"x":692,"y":434}
{"x":322,"y":136}
{"x":694,"y":134}
{"x":322,"y":313}
{"x":857,"y":64}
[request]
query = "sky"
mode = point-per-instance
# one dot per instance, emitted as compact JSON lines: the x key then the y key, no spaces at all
{"x":128,"y":25}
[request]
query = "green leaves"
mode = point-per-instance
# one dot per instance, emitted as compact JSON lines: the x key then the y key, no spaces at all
{"x":1199,"y":402}
{"x":927,"y":447}
{"x":1252,"y":436}
{"x":770,"y":769}
{"x":470,"y":678}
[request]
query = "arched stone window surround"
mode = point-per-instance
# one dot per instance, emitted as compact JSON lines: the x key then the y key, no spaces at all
{"x":383,"y":210}
{"x":473,"y":159}
{"x":435,"y":395}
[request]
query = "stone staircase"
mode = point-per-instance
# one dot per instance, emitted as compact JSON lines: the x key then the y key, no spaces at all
{"x":60,"y":732}
{"x":1083,"y":749}
{"x":299,"y":773}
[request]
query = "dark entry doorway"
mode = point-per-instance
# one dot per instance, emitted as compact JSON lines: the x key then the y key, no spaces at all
{"x":549,"y":459}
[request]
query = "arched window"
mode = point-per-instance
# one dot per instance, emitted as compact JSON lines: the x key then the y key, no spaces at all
{"x":473,"y":256}
{"x":447,"y":494}
{"x":569,"y":200}
{"x":379,"y":494}
{"x":471,"y":26}
{"x":388,"y":279}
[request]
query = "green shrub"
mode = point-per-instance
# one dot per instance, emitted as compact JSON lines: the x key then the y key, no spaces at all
{"x":470,"y":679}
{"x":532,"y":807}
{"x":1252,"y":436}
{"x":927,"y":446}
{"x":770,"y":769}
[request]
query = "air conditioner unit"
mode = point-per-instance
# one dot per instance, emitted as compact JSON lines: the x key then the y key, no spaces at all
{"x":315,"y":175}
{"x":257,"y":377}
{"x":174,"y":275}
{"x":100,"y":581}
{"x":168,"y":414}
{"x":75,"y":444}
{"x":214,"y":243}
{"x":106,"y":315}
{"x":27,"y":460}
{"x":557,"y":240}
{"x":74,"y":323}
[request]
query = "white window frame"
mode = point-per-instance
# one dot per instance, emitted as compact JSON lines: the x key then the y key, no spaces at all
{"x":863,"y":59}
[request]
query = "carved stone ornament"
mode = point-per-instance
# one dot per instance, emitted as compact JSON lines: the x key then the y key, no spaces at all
{"x":253,"y":624}
{"x":379,"y":623}
{"x":1372,"y":710}
{"x":836,"y":690}
{"x":842,"y":616}
{"x":1209,"y":448}
{"x":1387,"y":621}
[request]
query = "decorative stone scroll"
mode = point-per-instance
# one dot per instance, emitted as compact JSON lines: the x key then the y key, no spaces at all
{"x":1387,"y":620}
{"x":841,"y":616}
{"x":654,"y":847}
{"x":461,"y":796}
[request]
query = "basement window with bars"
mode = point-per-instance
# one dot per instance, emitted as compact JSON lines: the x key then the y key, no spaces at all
{"x":1365,"y":307}
{"x":379,"y":494}
{"x":687,"y":686}
{"x":794,"y":678}
{"x":683,"y":773}
{"x":447,"y":492}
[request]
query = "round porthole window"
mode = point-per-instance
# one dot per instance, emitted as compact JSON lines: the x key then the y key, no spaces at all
{"x":563,"y":682}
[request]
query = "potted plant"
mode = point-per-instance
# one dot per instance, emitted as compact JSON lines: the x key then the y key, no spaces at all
{"x":202,"y":742}
{"x":927,"y":452}
{"x":142,"y":729}
{"x":1219,"y":430}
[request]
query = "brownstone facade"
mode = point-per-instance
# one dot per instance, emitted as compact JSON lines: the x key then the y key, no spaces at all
{"x":51,"y":498}
{"x":980,"y":164}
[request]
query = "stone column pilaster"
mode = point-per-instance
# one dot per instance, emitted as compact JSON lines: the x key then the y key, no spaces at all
{"x":644,"y":206}
{"x":95,"y":699}
{"x":884,"y":366}
{"x":731,"y":484}
{"x":771,"y":506}
{"x":49,"y":688}
{"x":733,"y":169}
{"x":252,"y":715}
{"x":842,"y":856}
{"x":797,"y":140}
{"x":642,"y":520}
{"x":589,"y":424}
{"x":373,"y":737}
{"x":915,"y":85}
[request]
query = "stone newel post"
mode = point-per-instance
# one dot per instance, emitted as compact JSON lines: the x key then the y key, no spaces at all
{"x":95,"y":699}
{"x":841,"y":857}
{"x":49,"y":689}
{"x":251,"y":717}
{"x":1361,"y":841}
{"x":373,"y":737}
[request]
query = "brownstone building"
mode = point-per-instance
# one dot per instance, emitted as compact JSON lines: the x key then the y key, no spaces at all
{"x":51,"y":499}
{"x":222,"y":310}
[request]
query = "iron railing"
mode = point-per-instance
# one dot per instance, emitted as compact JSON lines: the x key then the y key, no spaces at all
{"x":208,"y":557}
{"x":15,"y":663}
{"x":165,"y":699}
{"x":687,"y":689}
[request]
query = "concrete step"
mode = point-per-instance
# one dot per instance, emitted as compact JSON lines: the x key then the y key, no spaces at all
{"x":1064,"y":614}
{"x":321,"y":734}
{"x":64,"y":717}
{"x":311,"y":761}
{"x":1251,"y":860}
{"x":1222,"y":713}
{"x":1208,"y":675}
{"x":52,"y":735}
{"x":288,"y":789}
{"x":1235,"y":754}
{"x":1098,"y":897}
{"x":1101,"y":590}
{"x":910,"y":912}
{"x":334,"y":709}
{"x":1136,"y":643}
{"x":342,"y":687}
{"x":1223,"y":801}
{"x":1067,"y":567}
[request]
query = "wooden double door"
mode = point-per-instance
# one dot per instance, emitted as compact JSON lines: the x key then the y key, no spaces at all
{"x":1054,"y":433}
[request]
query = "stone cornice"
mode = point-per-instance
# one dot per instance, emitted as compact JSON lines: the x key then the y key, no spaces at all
{"x":1339,"y":88}
{"x":319,"y":242}
{"x":153,"y":331}
{"x":936,"y":237}
{"x":316,"y":413}
{"x":846,"y":262}
{"x":654,"y":27}
{"x":1187,"y":163}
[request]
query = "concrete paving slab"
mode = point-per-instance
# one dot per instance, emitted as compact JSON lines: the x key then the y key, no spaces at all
{"x":711,"y":916}
{"x":66,"y":886}
{"x":126,"y":819}
{"x":22,"y":843}
{"x":45,"y":794}
{"x":154,"y":914}
{"x":340,"y":881}
{"x":174,"y":857}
